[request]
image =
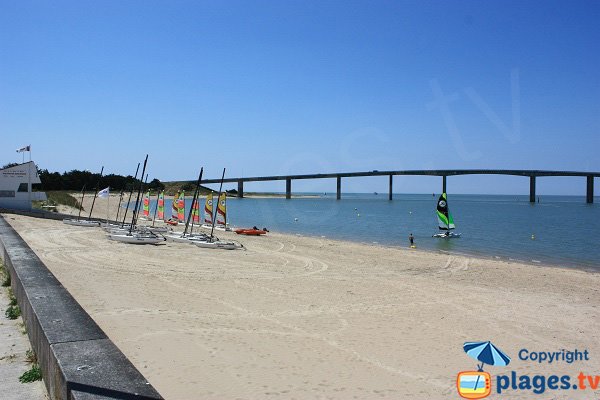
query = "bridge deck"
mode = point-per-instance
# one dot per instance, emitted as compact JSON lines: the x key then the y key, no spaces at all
{"x":438,"y":172}
{"x":531,"y":173}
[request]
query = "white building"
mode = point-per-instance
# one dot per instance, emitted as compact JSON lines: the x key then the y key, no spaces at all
{"x":15,"y":186}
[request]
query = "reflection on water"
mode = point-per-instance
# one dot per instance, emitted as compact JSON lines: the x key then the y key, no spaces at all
{"x":445,"y":244}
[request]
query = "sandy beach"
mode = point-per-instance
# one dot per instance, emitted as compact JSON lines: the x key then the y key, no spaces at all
{"x":295,"y":317}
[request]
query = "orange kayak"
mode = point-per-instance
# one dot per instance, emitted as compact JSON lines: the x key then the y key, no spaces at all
{"x":250,"y":231}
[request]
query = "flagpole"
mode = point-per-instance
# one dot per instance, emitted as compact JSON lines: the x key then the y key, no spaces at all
{"x":29,"y":182}
{"x":107,"y":206}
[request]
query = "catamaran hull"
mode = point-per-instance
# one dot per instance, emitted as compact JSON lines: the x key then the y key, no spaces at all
{"x":136,"y":239}
{"x":217,"y":227}
{"x":218,"y":245}
{"x":137,"y":230}
{"x":158,"y":229}
{"x":112,"y":228}
{"x":186,"y":239}
{"x":81,"y":222}
{"x":451,"y":235}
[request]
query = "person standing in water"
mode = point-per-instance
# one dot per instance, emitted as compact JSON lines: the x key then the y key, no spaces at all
{"x":411,"y":239}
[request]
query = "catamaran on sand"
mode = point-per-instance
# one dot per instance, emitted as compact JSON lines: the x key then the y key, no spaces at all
{"x":137,"y":237}
{"x":222,"y":213}
{"x":208,"y":212}
{"x":135,"y":234}
{"x":202,"y":239}
{"x":85,"y":222}
{"x":146,"y":208}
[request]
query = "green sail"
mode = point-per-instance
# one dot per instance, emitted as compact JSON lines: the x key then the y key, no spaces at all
{"x":445,"y":220}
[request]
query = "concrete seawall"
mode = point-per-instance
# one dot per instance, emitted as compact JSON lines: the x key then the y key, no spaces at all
{"x":77,"y":359}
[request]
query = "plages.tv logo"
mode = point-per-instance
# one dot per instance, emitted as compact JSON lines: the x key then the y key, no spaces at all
{"x":478,"y":384}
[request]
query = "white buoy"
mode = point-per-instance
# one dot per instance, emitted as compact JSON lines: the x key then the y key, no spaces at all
{"x":295,"y":219}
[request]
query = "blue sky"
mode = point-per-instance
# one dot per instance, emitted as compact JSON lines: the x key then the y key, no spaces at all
{"x":286,"y":87}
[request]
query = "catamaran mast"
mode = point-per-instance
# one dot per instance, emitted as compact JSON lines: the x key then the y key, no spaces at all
{"x":130,"y":194}
{"x":155,"y":208}
{"x":119,"y":207}
{"x":96,"y":192}
{"x":219,"y":195}
{"x":193,"y":201}
{"x":107,"y":205}
{"x":142,"y":188}
{"x":81,"y":204}
{"x":133,"y":218}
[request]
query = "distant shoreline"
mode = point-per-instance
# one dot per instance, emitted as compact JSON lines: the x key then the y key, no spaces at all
{"x":77,"y":194}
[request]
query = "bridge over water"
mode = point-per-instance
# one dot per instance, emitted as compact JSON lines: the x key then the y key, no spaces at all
{"x":444,"y":173}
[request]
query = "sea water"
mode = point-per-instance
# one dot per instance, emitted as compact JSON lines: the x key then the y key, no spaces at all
{"x":559,"y":230}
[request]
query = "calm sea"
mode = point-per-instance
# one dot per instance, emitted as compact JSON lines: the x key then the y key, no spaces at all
{"x":564,"y":228}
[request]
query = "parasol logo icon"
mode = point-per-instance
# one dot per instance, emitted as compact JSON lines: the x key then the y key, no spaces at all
{"x":478,"y":384}
{"x":474,"y":384}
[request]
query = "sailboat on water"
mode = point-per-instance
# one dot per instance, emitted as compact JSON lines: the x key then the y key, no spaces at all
{"x":445,"y":220}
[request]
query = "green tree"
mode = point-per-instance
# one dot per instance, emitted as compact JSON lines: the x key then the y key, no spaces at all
{"x":156,"y":185}
{"x":188,"y":186}
{"x":12,"y":164}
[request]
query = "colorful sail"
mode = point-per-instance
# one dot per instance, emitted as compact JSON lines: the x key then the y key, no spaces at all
{"x":161,"y":205}
{"x":196,"y":212}
{"x":445,"y":220}
{"x":175,"y":207}
{"x":146,"y":207}
{"x":208,"y":209}
{"x":181,"y":207}
{"x":222,"y":210}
